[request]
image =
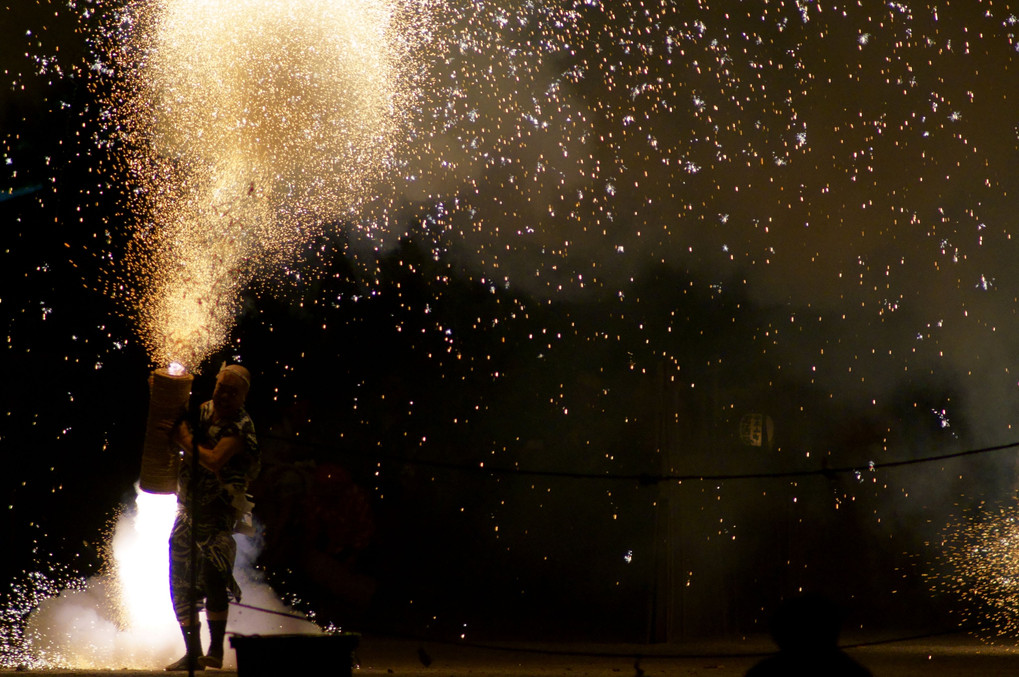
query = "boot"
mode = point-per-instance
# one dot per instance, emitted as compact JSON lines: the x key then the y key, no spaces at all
{"x":192,"y":647}
{"x":214,"y":657}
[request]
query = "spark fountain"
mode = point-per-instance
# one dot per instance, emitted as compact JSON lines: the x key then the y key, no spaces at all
{"x":245,"y":126}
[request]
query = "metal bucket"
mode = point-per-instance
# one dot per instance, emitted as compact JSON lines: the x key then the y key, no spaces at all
{"x":275,"y":655}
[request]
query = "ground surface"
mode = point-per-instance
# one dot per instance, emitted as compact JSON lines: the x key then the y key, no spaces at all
{"x":948,"y":655}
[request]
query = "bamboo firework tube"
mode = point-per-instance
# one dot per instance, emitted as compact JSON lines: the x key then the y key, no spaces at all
{"x":168,"y":400}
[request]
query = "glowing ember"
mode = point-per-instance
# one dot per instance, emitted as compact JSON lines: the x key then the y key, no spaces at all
{"x":176,"y":369}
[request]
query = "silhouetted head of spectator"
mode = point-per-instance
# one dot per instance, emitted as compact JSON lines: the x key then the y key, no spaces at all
{"x":807,"y":623}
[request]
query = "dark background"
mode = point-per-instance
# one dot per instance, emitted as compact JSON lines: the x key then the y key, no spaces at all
{"x":449,"y":455}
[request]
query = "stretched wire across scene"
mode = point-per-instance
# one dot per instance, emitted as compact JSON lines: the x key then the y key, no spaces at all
{"x":649,"y":478}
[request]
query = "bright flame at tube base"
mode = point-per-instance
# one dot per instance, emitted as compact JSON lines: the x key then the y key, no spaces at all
{"x":141,"y":558}
{"x":124,"y":620}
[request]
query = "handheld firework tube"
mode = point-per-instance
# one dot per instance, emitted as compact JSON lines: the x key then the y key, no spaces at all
{"x":168,"y":400}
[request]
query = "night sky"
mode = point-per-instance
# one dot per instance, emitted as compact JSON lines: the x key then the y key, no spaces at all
{"x":611,"y":232}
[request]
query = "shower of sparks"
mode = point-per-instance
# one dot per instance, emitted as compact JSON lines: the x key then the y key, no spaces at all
{"x":246,"y":125}
{"x":558,"y":148}
{"x":24,"y":598}
{"x":798,"y":208}
{"x":978,"y":567}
